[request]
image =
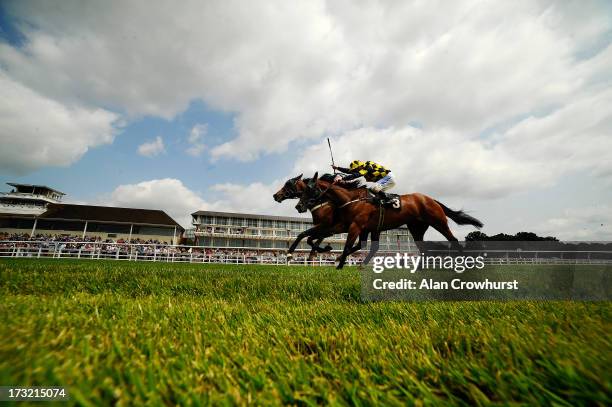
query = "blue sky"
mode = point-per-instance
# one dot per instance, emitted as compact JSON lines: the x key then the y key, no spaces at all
{"x":499,"y":108}
{"x":105,"y":167}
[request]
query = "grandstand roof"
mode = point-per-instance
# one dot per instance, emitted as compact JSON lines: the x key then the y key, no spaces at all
{"x":109,"y":214}
{"x":251,"y":216}
{"x":26,"y":186}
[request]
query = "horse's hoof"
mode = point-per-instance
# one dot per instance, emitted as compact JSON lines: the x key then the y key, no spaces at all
{"x":328,"y":248}
{"x":289,"y":257}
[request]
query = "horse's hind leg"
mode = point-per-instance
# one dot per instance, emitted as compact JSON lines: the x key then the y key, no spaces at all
{"x":417,"y":230}
{"x":442,"y":227}
{"x":373,"y":247}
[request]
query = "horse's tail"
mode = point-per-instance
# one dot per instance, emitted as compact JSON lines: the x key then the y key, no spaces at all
{"x":460,"y":217}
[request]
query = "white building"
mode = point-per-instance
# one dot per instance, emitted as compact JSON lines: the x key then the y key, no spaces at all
{"x":30,"y":210}
{"x":249,"y":231}
{"x":26,"y":199}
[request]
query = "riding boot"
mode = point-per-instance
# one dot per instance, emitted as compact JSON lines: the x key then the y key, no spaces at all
{"x":375,"y":196}
{"x":382,"y":196}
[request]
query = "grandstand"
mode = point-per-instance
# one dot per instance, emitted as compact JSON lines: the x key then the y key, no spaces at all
{"x":26,"y":199}
{"x":265,"y":232}
{"x":37,"y":211}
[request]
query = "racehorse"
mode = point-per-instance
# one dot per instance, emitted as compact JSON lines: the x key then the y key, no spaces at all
{"x":360,"y":216}
{"x":321,"y":215}
{"x":322,"y":212}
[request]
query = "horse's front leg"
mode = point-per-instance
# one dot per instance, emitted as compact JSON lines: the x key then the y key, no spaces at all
{"x":327,"y":248}
{"x":317,"y":245}
{"x":363,"y":239}
{"x":298,"y":239}
{"x":353,"y":232}
{"x":314,"y":246}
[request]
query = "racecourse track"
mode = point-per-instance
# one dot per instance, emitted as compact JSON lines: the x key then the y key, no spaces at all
{"x":130,"y":332}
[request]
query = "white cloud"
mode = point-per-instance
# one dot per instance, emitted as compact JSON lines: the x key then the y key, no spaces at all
{"x":253,"y":198}
{"x":178,"y":201}
{"x":168,"y":194}
{"x":152,"y":148}
{"x":440,"y":162}
{"x":575,"y":137}
{"x":196,"y":144}
{"x":334,"y":68}
{"x":37,"y":132}
{"x":592,"y":223}
{"x":534,"y":153}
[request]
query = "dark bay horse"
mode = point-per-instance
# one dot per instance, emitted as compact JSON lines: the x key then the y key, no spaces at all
{"x":322,"y":217}
{"x":360,"y":216}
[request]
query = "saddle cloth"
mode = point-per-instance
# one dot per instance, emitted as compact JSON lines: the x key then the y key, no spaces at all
{"x":392,"y":201}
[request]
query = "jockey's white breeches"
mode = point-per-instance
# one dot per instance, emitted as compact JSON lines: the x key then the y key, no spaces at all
{"x":383,"y":184}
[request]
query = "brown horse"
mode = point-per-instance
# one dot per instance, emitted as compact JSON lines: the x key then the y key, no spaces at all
{"x":360,"y":216}
{"x":322,"y":217}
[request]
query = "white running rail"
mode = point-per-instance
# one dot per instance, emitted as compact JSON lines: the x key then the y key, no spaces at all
{"x":198,"y":254}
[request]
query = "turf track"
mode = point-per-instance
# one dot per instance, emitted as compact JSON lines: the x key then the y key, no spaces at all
{"x":210,"y":334}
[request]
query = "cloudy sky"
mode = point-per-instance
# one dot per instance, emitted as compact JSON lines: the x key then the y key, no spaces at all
{"x":501,"y":108}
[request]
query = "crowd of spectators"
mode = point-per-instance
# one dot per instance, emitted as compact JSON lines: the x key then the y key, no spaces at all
{"x":24,"y":237}
{"x":95,"y":247}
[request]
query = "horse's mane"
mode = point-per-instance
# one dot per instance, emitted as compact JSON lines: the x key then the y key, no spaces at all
{"x":327,"y":177}
{"x":330,"y":178}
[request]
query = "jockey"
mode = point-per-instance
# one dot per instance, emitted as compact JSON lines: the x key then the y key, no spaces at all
{"x":383,"y":178}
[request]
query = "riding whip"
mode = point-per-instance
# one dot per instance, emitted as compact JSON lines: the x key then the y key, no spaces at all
{"x":331,"y":153}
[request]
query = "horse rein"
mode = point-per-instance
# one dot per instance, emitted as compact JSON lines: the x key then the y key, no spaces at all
{"x":314,"y":208}
{"x":353,"y":201}
{"x":341,"y":206}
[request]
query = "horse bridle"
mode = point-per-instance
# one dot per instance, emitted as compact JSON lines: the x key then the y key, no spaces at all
{"x":317,"y":202}
{"x":292,"y":191}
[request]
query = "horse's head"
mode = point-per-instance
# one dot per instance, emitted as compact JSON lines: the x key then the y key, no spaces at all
{"x":291,"y":190}
{"x":310,"y":195}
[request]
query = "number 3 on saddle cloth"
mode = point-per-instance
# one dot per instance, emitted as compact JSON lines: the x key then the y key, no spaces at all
{"x":391,"y":201}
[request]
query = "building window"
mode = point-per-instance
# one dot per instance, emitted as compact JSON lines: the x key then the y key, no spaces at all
{"x":109,"y":228}
{"x":60,"y":225}
{"x":151,"y":230}
{"x":16,"y":223}
{"x":237,"y":222}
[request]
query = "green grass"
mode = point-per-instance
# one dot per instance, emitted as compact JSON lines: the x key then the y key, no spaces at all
{"x":130,"y":333}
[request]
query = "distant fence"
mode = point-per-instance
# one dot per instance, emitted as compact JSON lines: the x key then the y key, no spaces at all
{"x":542,"y":257}
{"x":145,"y":252}
{"x":197,"y":254}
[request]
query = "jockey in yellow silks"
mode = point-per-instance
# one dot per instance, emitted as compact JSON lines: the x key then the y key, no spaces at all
{"x":372,"y":172}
